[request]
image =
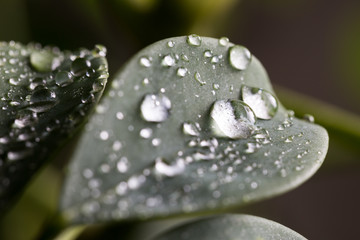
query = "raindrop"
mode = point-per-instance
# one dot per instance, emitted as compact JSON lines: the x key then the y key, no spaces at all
{"x":181,"y":71}
{"x":232,"y":119}
{"x":169,"y":170}
{"x":119,"y":115}
{"x":145,"y":61}
{"x":146,"y":133}
{"x":263,"y":103}
{"x":25,"y":118}
{"x":104,"y":135}
{"x":155,"y":108}
{"x":208,"y":53}
{"x":192,"y":129}
{"x":168,"y":61}
{"x":289,"y":139}
{"x":194,"y":40}
{"x":171,"y":43}
{"x":223,"y":41}
{"x":197,"y":77}
{"x":42,"y":61}
{"x":63,"y":78}
{"x":122,"y":165}
{"x":79,"y":66}
{"x":156,"y":142}
{"x":239,"y":57}
{"x":308,"y":117}
{"x":42,"y":100}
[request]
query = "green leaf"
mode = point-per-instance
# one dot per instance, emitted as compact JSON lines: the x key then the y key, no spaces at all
{"x":45,"y":95}
{"x":171,"y":137}
{"x":231,"y":227}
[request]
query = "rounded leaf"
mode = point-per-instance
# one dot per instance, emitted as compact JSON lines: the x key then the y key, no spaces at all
{"x":174,"y":135}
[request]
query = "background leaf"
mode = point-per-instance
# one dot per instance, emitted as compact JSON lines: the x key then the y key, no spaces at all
{"x":150,"y":166}
{"x":234,"y":227}
{"x":45,"y":95}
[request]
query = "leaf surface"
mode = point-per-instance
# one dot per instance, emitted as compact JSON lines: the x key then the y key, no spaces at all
{"x":45,"y":95}
{"x":187,"y":128}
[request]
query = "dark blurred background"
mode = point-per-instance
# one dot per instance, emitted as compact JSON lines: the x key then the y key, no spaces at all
{"x":311,"y":47}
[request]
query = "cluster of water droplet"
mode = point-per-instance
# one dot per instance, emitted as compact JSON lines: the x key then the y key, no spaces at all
{"x":217,"y":144}
{"x":45,"y":93}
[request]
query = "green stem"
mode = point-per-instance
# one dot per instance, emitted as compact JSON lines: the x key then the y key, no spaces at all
{"x":341,"y":124}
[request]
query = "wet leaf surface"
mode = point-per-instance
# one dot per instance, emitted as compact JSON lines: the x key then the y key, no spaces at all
{"x":188,"y":126}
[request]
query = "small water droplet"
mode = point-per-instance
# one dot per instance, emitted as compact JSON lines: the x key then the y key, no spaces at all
{"x":194,"y":40}
{"x":146,"y":133}
{"x":239,"y":57}
{"x":216,"y":86}
{"x":192,"y":129}
{"x":208,"y":53}
{"x":169,"y":170}
{"x":101,"y":50}
{"x":155,"y":108}
{"x":156,"y":142}
{"x":289,"y":139}
{"x":145,"y":61}
{"x":232,"y":119}
{"x":215,"y":59}
{"x":123,"y":165}
{"x":168,"y":61}
{"x":80,"y":66}
{"x":146,"y":81}
{"x":104,"y":135}
{"x":263,"y":103}
{"x":63,"y":78}
{"x":119,"y":115}
{"x":181,"y":71}
{"x":136,"y":181}
{"x":308,"y":117}
{"x":25,"y":118}
{"x":116,"y":146}
{"x":197,"y":77}
{"x":224,"y":41}
{"x":171,"y":43}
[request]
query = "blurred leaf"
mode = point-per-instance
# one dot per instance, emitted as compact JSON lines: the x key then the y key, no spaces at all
{"x":231,"y":227}
{"x":166,"y":140}
{"x":45,"y":95}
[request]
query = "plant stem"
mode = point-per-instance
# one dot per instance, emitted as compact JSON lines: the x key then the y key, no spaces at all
{"x":340,"y":123}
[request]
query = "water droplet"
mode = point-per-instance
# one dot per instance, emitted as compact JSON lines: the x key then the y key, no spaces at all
{"x":119,"y":115}
{"x":63,"y":78}
{"x":197,"y":77}
{"x":146,"y":133}
{"x":136,"y":181}
{"x":192,"y":129}
{"x":216,"y":86}
{"x":42,"y":61}
{"x":223,"y":41}
{"x":168,"y":61}
{"x":18,"y":155}
{"x":208,"y":53}
{"x":194,"y":40}
{"x":123,"y":165}
{"x":171,"y":43}
{"x":155,"y":108}
{"x":181,"y":71}
{"x":25,"y":118}
{"x":79,"y":66}
{"x":239,"y":57}
{"x":263,"y":103}
{"x":156,"y":142}
{"x":145,"y":61}
{"x":232,"y":119}
{"x":146,"y":81}
{"x":289,"y":139}
{"x":104,"y":135}
{"x":42,"y":100}
{"x":101,"y":50}
{"x":308,"y":117}
{"x":169,"y":170}
{"x":116,"y":146}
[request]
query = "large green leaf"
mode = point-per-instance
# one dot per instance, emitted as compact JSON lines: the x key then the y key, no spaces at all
{"x":45,"y":95}
{"x":232,"y":227}
{"x":158,"y":145}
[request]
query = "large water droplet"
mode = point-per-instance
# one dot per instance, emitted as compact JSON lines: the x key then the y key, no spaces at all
{"x":155,"y":107}
{"x":192,"y":129}
{"x":63,"y":78}
{"x":79,"y":66}
{"x":42,"y":100}
{"x":170,"y":170}
{"x":232,"y":119}
{"x":194,"y":40}
{"x":42,"y":61}
{"x":263,"y":103}
{"x":168,"y":61}
{"x":239,"y":57}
